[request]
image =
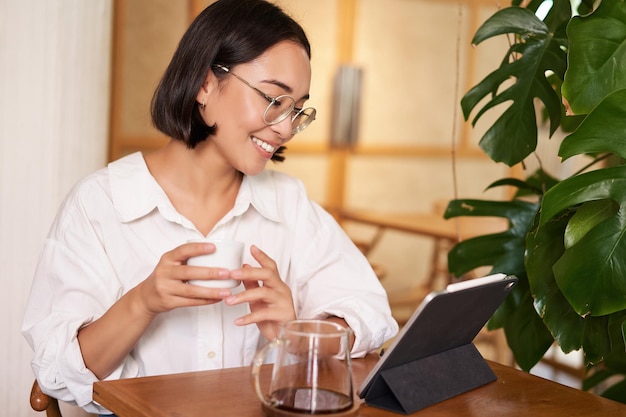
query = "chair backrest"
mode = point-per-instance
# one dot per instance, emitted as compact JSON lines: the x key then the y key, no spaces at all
{"x":43,"y":402}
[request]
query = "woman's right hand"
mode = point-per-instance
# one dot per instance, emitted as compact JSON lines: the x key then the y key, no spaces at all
{"x":166,"y":288}
{"x":102,"y":343}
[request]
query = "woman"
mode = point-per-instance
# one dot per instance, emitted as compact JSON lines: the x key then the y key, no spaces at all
{"x":111,"y":298}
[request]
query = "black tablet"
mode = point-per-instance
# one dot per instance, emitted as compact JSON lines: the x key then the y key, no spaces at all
{"x":433,"y":358}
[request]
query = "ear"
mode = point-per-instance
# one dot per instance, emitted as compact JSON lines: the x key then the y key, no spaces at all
{"x":208,"y":88}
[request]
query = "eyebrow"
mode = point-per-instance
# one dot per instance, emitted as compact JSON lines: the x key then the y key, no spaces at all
{"x":285,"y":87}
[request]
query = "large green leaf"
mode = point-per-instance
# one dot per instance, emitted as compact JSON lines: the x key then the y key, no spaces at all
{"x":616,"y":392}
{"x":603,"y":130}
{"x":526,"y":334}
{"x":545,"y":246}
{"x":570,"y":330}
{"x":558,"y":16}
{"x":596,"y":340}
{"x":569,"y":122}
{"x":536,"y":184}
{"x":595,"y":185}
{"x":591,"y":272}
{"x":536,"y":53}
{"x":503,"y":251}
{"x":597,"y":56}
{"x":614,"y":364}
{"x":588,"y":216}
{"x":596,"y":378}
{"x":523,"y":187}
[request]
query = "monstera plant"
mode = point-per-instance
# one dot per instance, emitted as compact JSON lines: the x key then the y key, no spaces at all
{"x":566,"y":240}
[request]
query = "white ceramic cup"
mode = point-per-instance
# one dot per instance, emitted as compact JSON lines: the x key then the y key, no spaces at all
{"x":228,"y":254}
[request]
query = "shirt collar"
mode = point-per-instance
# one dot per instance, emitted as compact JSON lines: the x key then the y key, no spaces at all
{"x":133,"y":189}
{"x":258,"y":191}
{"x":136,"y":193}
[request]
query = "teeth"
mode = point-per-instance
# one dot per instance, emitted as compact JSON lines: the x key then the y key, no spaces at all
{"x":266,"y":146}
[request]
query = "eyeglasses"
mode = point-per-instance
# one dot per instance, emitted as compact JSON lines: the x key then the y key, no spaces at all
{"x":279,"y":108}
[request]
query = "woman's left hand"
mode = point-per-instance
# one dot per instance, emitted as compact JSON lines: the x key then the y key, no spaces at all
{"x":270,"y":303}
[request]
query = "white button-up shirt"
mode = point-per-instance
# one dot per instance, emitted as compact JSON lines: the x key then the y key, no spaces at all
{"x":109,"y":235}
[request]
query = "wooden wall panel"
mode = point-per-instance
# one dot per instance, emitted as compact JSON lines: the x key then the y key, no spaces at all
{"x":146,"y":35}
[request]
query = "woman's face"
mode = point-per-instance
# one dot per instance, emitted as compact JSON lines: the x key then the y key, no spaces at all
{"x":242,"y":138}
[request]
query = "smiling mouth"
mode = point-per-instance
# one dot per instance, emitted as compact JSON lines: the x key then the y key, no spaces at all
{"x":263,"y":145}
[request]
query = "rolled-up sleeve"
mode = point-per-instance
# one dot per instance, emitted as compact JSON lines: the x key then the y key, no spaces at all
{"x":337,"y":280}
{"x":67,"y":294}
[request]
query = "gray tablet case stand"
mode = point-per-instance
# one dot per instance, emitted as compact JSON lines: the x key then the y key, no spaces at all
{"x":433,"y":358}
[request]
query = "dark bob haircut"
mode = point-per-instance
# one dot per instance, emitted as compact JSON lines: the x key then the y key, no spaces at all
{"x":228,"y":32}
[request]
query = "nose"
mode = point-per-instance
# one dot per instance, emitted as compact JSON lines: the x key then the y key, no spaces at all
{"x":284,"y":128}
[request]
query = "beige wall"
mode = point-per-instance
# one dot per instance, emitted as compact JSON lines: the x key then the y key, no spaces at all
{"x":54,"y":91}
{"x":417,"y":62}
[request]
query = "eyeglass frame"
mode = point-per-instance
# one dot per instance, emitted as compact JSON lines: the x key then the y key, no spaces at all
{"x":271,"y":100}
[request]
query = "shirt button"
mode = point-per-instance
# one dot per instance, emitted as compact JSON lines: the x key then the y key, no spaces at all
{"x":211,"y":355}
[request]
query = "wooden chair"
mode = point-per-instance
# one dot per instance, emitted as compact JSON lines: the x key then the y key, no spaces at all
{"x":43,"y":402}
{"x":365,"y":248}
{"x":404,"y":302}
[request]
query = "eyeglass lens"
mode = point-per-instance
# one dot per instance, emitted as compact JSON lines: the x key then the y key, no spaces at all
{"x":282,"y":107}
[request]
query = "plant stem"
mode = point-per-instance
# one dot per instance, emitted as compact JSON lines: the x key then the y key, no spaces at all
{"x":593,"y":162}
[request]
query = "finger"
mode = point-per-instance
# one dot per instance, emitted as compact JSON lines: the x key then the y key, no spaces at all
{"x":181,"y":275}
{"x":183,"y":252}
{"x":189,"y":272}
{"x":260,"y":316}
{"x":199,"y":292}
{"x":169,"y":292}
{"x":262,"y":258}
{"x":274,"y":315}
{"x":250,"y":284}
{"x":248,"y":273}
{"x":254,"y":295}
{"x":262,"y":298}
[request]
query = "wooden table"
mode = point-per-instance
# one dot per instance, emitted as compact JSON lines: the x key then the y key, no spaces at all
{"x":229,"y":393}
